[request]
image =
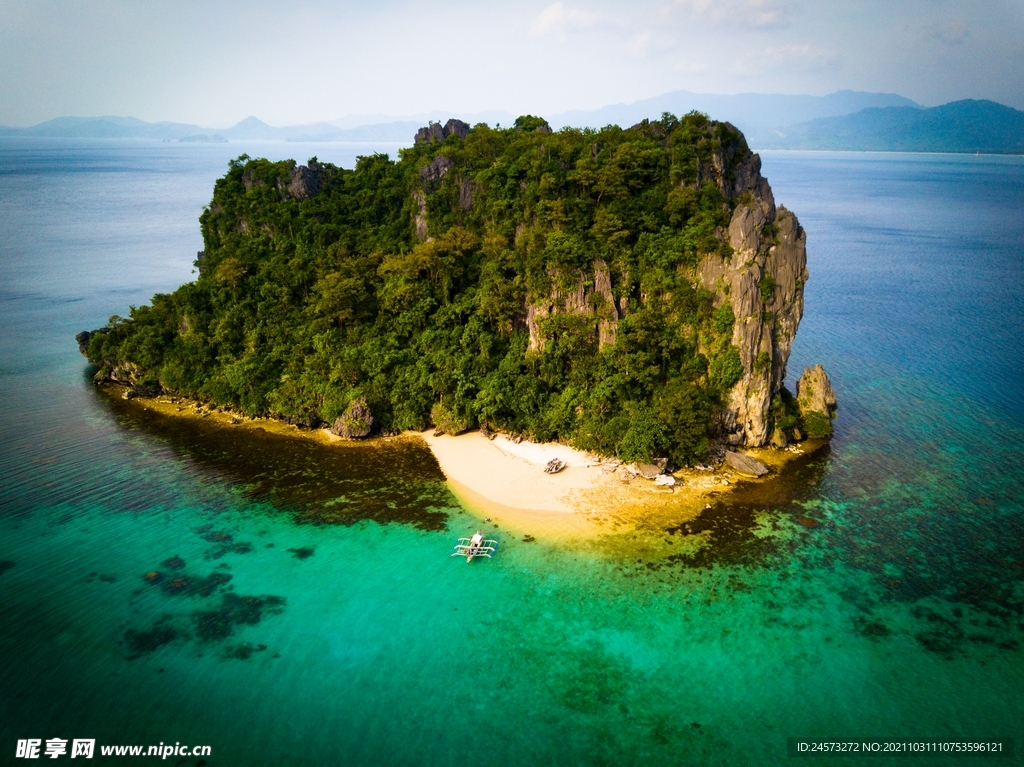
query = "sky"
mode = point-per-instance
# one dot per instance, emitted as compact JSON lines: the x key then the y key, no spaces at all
{"x":213,"y":63}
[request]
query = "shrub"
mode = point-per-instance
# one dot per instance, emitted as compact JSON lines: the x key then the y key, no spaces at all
{"x":817,"y":425}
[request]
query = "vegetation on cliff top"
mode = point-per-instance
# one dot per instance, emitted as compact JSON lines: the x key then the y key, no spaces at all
{"x":408,"y":284}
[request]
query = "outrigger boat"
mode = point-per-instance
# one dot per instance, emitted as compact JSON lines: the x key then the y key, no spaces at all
{"x":466,"y":548}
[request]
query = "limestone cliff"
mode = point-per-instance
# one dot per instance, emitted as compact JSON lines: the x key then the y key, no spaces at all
{"x":764,"y":283}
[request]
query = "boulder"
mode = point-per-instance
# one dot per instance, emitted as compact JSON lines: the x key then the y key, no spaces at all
{"x":649,"y":470}
{"x":355,"y":422}
{"x":665,"y":479}
{"x":745,"y":464}
{"x":814,"y":391}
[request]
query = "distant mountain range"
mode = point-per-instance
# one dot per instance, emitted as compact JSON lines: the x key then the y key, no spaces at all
{"x":853,"y":120}
{"x":960,"y":126}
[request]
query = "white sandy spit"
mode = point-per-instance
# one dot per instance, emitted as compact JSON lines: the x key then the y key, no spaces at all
{"x":512,"y":475}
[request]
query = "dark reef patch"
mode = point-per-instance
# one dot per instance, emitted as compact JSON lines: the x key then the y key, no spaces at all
{"x":217,"y":537}
{"x":872,"y":629}
{"x":212,"y":625}
{"x":228,"y":548}
{"x":190,"y":585}
{"x":303,"y":552}
{"x":5,"y":565}
{"x":242,"y":651}
{"x":143,"y":642}
{"x":174,"y":563}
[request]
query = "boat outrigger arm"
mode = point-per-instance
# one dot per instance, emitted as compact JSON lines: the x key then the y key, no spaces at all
{"x":466,"y":548}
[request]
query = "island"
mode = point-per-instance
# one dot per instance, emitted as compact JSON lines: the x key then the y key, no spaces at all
{"x":630,"y":295}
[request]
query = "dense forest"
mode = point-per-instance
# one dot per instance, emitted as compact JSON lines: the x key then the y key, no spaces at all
{"x":414,"y":285}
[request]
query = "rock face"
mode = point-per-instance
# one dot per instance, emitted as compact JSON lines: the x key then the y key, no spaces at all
{"x":303,"y":181}
{"x":763,"y":281}
{"x":436,"y":169}
{"x":587,"y":298}
{"x":745,"y":464}
{"x":434,"y":131}
{"x":356,"y":422}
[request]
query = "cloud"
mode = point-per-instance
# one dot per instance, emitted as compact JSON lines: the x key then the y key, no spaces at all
{"x":746,"y":13}
{"x":790,"y":58}
{"x":557,"y":19}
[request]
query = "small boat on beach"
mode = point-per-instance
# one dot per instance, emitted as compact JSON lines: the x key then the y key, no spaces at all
{"x":469,"y":549}
{"x":554,"y":466}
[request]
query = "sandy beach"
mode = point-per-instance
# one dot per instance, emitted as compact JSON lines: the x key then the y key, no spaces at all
{"x":512,"y":474}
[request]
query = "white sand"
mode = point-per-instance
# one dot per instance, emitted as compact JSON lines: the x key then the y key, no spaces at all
{"x":512,"y":475}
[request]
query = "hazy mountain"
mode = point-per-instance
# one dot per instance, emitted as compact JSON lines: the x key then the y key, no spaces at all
{"x":105,"y":127}
{"x":960,"y":126}
{"x":251,"y":128}
{"x":753,"y":113}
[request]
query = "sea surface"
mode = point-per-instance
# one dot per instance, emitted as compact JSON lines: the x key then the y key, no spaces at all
{"x":166,"y":583}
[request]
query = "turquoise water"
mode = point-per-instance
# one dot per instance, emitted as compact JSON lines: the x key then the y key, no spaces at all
{"x":304,"y":609}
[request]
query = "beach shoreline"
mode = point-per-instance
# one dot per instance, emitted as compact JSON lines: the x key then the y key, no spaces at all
{"x":501,"y":481}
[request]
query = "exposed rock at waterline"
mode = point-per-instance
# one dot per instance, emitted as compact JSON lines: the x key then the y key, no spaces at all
{"x":356,"y":422}
{"x":745,"y":464}
{"x":85,"y":337}
{"x":814,"y":392}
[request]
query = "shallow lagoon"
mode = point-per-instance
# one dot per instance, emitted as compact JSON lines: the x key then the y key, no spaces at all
{"x":360,"y":642}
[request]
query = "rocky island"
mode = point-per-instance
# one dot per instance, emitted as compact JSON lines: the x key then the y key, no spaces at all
{"x":633,"y":293}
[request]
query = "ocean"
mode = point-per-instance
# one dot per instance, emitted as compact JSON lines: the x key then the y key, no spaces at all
{"x":166,"y":584}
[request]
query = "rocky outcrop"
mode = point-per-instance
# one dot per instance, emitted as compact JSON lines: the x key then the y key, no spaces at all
{"x":306,"y":180}
{"x":124,"y":373}
{"x":355,"y":422}
{"x":745,"y":464}
{"x":435,"y":132}
{"x":436,"y":169}
{"x":85,"y":337}
{"x":303,"y":181}
{"x":814,"y":392}
{"x":763,"y":281}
